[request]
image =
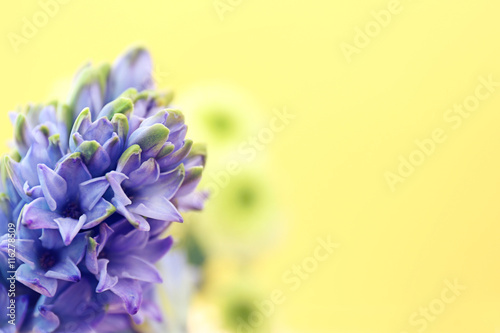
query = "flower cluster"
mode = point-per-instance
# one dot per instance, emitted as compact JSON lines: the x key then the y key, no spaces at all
{"x":91,"y":187}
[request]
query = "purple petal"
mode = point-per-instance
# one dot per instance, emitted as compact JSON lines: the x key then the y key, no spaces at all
{"x":92,"y":191}
{"x":135,"y":268}
{"x":145,"y":175}
{"x":156,"y":208}
{"x":74,"y":172}
{"x":91,"y":96}
{"x":24,"y":251}
{"x":36,"y":281}
{"x":14,"y":171}
{"x":51,"y":239}
{"x":100,"y":131}
{"x":167,"y":185}
{"x":48,"y":322}
{"x":113,"y":147}
{"x":65,"y":270}
{"x":132,"y":70}
{"x":106,"y":281}
{"x":81,"y":124}
{"x":156,"y":249}
{"x":34,"y":192}
{"x":193,"y":201}
{"x":95,"y":157}
{"x":54,"y":187}
{"x":91,"y":256}
{"x":159,"y":118}
{"x":175,"y":120}
{"x":130,"y":160}
{"x":150,"y":139}
{"x":69,"y":227}
{"x":177,"y":137}
{"x":37,"y":215}
{"x":191,"y":181}
{"x":136,"y":220}
{"x":76,"y":251}
{"x":158,"y":227}
{"x":115,"y":179}
{"x":105,"y":233}
{"x":130,"y":292}
{"x":75,"y":141}
{"x":99,"y":213}
{"x":172,"y":160}
{"x":131,"y":241}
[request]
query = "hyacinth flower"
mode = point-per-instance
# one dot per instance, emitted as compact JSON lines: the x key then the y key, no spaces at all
{"x":92,"y":185}
{"x":23,"y":173}
{"x":36,"y":124}
{"x":75,"y":308}
{"x":45,"y":259}
{"x":123,"y":258}
{"x":151,"y":171}
{"x":95,"y":87}
{"x":66,"y":202}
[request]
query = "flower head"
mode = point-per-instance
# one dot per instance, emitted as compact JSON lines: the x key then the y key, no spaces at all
{"x":89,"y":191}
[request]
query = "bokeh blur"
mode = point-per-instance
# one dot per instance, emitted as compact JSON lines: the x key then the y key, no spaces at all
{"x":353,"y":153}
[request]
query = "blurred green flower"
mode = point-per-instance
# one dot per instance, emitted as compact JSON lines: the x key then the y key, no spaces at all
{"x":241,"y":219}
{"x":239,"y":310}
{"x":223,"y":115}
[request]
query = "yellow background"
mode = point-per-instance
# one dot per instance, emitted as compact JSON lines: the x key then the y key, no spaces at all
{"x":325,"y":171}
